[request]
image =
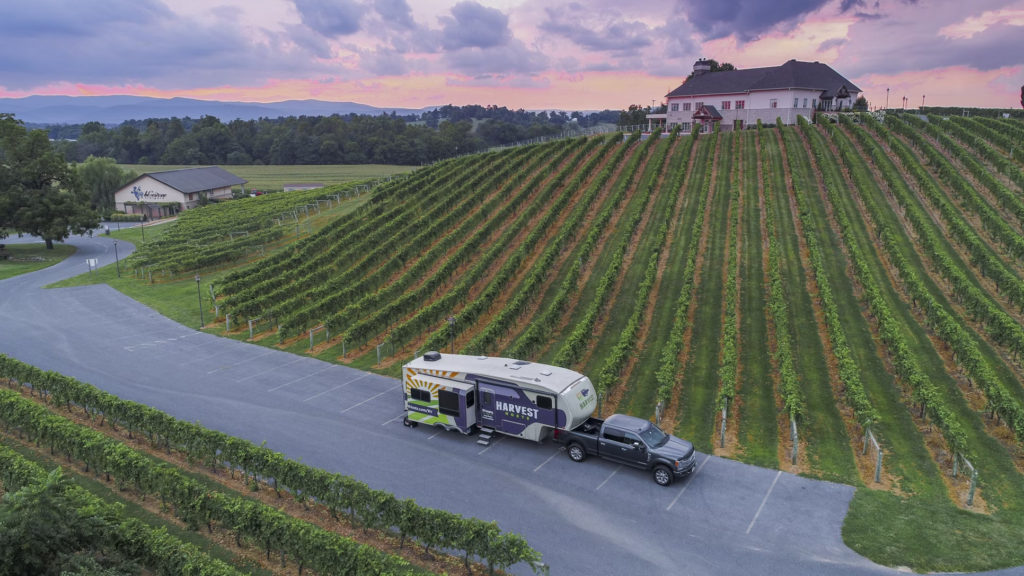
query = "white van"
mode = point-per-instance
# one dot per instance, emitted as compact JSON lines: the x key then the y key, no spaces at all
{"x":513,"y":397}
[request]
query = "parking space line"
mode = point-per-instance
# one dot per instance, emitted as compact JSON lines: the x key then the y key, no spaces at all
{"x":546,"y":461}
{"x":368,"y":399}
{"x":393,"y":419}
{"x":491,"y":445}
{"x":242,"y":362}
{"x":436,"y":433}
{"x":303,"y":378}
{"x":226,"y":349}
{"x":609,"y":477}
{"x":269,"y":370}
{"x":763,"y":502}
{"x":688,"y":480}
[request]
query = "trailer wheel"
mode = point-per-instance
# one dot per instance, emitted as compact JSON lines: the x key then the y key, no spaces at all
{"x":662,"y":475}
{"x":577,"y":453}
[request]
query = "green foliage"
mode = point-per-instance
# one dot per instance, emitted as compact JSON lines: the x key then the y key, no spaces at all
{"x":323,"y":551}
{"x":670,"y":365}
{"x":50,"y":526}
{"x":729,"y":364}
{"x":849,"y":372}
{"x":39,"y":193}
{"x":580,"y":339}
{"x":101,"y":177}
{"x":117,"y":217}
{"x":890,"y":333}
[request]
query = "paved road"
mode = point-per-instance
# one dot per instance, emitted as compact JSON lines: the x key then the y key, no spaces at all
{"x":593,"y":518}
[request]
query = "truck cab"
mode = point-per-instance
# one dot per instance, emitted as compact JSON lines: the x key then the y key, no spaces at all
{"x":633,"y":442}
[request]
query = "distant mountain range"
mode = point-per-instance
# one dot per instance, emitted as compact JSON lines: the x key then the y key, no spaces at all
{"x":117,"y":109}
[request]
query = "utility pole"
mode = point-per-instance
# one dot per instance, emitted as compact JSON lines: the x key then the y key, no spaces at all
{"x":202,"y":324}
{"x":118,"y":260}
{"x":922,"y":102}
{"x":886,"y":98}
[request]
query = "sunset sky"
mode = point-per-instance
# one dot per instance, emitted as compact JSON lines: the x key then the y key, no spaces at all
{"x":533,"y":54}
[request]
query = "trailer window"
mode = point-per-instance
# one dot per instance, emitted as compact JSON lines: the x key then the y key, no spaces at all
{"x":420,"y":394}
{"x":488,"y":398}
{"x":614,"y":435}
{"x":470,"y":398}
{"x":544,"y":402}
{"x":448,"y":402}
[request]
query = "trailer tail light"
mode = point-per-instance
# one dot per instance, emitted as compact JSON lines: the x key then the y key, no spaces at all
{"x":556,"y":433}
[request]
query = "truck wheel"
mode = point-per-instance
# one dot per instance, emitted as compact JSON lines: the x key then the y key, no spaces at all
{"x":663,"y":476}
{"x":577,"y":453}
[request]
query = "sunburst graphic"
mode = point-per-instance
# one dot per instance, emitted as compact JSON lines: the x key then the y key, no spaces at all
{"x":411,"y":383}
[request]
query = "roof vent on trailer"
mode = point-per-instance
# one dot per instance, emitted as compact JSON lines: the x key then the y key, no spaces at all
{"x":545,"y":372}
{"x":432,"y":356}
{"x":521,"y":362}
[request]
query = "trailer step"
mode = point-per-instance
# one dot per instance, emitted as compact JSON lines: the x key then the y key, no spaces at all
{"x":484,"y":442}
{"x":486,"y":430}
{"x":484,"y":436}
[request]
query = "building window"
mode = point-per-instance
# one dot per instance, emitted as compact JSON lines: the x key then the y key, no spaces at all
{"x":686,"y":106}
{"x":796,"y":102}
{"x":740,"y":104}
{"x":687,"y":127}
{"x":805,"y":102}
{"x":814,"y":103}
{"x":726,"y":104}
{"x":774,"y":103}
{"x":674,"y":107}
{"x":697,"y":105}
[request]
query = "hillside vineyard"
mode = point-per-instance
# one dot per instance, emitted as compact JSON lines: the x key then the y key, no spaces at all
{"x":749,"y":289}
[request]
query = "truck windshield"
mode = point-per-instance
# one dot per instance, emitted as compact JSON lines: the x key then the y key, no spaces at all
{"x":653,"y":436}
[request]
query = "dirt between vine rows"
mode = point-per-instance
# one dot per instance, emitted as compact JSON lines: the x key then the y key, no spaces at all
{"x":982,"y":191}
{"x":324,"y":346}
{"x":732,"y":414}
{"x":975,"y":396}
{"x":456,"y":276}
{"x":941,"y":453}
{"x":508,"y":292}
{"x":645,"y":323}
{"x":802,"y":465}
{"x":534,"y":304}
{"x":989,"y":287}
{"x":337,"y":340}
{"x":854,"y":429}
{"x":672,"y":410}
{"x":1002,"y":256}
{"x":627,"y":260}
{"x":587,"y":268}
{"x":436,"y":562}
{"x":481,"y":285}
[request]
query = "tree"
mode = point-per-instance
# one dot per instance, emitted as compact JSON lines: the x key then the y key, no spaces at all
{"x":101,"y":177}
{"x":40,"y":194}
{"x":51,"y":527}
{"x":861,"y":103}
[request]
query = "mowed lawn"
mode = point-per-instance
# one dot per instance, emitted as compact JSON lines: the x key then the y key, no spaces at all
{"x":275,"y":177}
{"x":18,"y":259}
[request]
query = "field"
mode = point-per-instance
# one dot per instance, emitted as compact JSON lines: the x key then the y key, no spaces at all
{"x":274,"y":177}
{"x":22,"y":258}
{"x":827,"y":279}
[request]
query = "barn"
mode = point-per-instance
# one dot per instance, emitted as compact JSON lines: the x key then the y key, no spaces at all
{"x":160,"y":194}
{"x":739,"y":98}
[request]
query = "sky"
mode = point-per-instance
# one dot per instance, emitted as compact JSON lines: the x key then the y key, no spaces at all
{"x":532,"y":54}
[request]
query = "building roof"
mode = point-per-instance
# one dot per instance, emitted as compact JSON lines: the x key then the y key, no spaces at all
{"x":707,"y":111}
{"x":197,"y":179}
{"x":792,"y":74}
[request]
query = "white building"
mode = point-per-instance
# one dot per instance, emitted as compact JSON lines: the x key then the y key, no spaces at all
{"x":739,"y":98}
{"x":159,"y":194}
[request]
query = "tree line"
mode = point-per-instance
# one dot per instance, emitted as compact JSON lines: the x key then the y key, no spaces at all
{"x":350,"y":139}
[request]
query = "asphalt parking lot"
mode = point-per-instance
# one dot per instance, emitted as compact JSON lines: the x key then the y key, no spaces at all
{"x":589,"y":518}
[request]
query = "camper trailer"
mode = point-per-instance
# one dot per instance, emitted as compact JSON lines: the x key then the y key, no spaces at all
{"x":500,"y":395}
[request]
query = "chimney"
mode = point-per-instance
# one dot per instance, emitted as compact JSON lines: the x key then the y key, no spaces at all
{"x":701,"y":66}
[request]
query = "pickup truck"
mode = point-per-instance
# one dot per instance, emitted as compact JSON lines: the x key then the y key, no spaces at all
{"x":630,"y":441}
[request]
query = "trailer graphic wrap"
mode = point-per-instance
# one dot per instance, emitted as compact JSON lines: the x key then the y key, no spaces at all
{"x":422,"y":401}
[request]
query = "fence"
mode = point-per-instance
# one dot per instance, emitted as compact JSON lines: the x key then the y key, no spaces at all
{"x":869,"y":439}
{"x":957,"y":458}
{"x":313,"y":331}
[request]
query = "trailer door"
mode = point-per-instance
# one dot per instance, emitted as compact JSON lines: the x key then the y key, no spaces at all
{"x":487,"y":406}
